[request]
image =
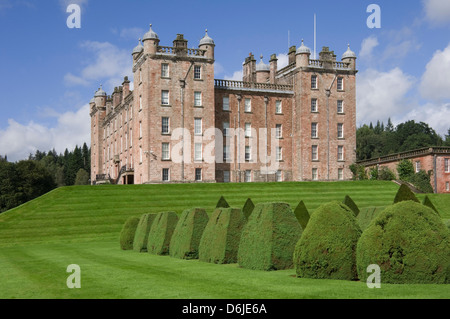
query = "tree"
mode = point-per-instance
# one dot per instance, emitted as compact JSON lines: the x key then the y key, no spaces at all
{"x":405,"y":170}
{"x":82,"y":177}
{"x":35,"y":180}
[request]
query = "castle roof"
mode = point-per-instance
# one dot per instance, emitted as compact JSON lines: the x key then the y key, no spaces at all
{"x":138,"y":48}
{"x":303,"y":49}
{"x":261,"y":66}
{"x":150,"y":35}
{"x":100,"y":92}
{"x":206,"y":39}
{"x":349,"y":53}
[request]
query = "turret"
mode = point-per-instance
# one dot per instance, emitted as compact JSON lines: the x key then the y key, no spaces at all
{"x":137,"y":50}
{"x":350,"y":57}
{"x":100,"y":97}
{"x":262,"y":72}
{"x":151,"y":41}
{"x":206,"y":43}
{"x":302,"y":55}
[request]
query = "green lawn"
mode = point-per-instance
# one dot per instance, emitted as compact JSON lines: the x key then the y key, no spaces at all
{"x":81,"y":225}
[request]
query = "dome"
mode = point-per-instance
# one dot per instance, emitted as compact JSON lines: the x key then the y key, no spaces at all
{"x":303,"y":49}
{"x":206,"y":39}
{"x":150,"y":35}
{"x":92,"y":101}
{"x":138,"y":48}
{"x":100,"y":92}
{"x":261,"y":66}
{"x":349,"y":53}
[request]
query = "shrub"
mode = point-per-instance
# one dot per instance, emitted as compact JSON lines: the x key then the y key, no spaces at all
{"x":351,"y":204}
{"x":222,"y":203}
{"x":405,"y":170}
{"x":409,"y":242}
{"x":373,"y":173}
{"x":269,"y":237}
{"x":248,"y":208}
{"x":327,"y":248}
{"x":142,"y":231}
{"x":367,"y":214}
{"x":187,"y":234}
{"x":302,"y":214}
{"x":128,"y":232}
{"x":447,"y":223}
{"x":421,"y":181}
{"x":385,"y":174}
{"x":359,"y":172}
{"x":427,"y":202}
{"x":404,"y":193}
{"x":220,"y":240}
{"x":161,"y":233}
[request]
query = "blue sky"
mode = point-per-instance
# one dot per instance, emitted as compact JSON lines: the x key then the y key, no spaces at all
{"x":50,"y":72}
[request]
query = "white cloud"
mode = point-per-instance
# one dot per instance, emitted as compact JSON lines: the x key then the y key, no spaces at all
{"x":132,"y":33}
{"x":72,"y":128}
{"x":283,"y":60}
{"x":367,"y":46}
{"x":381,"y":95}
{"x":237,"y":76}
{"x":435,"y":83}
{"x":437,"y":11}
{"x":218,"y":68}
{"x":432,"y":114}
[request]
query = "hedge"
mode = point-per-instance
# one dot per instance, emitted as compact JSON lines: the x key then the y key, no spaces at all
{"x":187,"y":234}
{"x":128,"y":232}
{"x":269,"y":237}
{"x":248,"y":208}
{"x":404,"y":193}
{"x":161,"y":233}
{"x":348,"y":201}
{"x":222,"y":203}
{"x":367,"y":214}
{"x":142,"y":231}
{"x":427,"y":202}
{"x":220,"y":241}
{"x":409,"y":242}
{"x":327,"y":248}
{"x":302,"y":214}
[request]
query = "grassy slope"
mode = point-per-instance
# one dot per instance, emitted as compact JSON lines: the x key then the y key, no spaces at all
{"x":81,"y":225}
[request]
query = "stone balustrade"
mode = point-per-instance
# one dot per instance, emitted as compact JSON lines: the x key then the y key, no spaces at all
{"x":229,"y":84}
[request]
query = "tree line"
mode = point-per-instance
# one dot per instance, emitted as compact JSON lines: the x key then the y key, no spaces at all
{"x":40,"y":173}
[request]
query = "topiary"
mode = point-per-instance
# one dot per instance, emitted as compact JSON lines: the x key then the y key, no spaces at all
{"x":409,"y":242}
{"x":269,"y":237}
{"x":128,"y":232}
{"x":222,"y":203}
{"x":367,"y":214}
{"x":427,"y":202}
{"x":220,"y":240}
{"x":348,"y":201}
{"x":142,"y":231}
{"x":187,"y":234}
{"x":327,"y":248}
{"x":302,"y":214}
{"x":404,"y":193}
{"x":161,"y":233}
{"x":248,"y":208}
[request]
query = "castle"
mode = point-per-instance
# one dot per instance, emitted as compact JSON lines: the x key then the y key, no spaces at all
{"x":179,"y":124}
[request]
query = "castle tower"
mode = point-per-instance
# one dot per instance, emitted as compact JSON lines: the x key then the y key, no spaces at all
{"x":151,"y":41}
{"x":206,"y":43}
{"x":262,"y":72}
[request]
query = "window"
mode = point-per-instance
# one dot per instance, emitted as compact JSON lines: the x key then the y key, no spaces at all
{"x":314,"y":130}
{"x":121,"y":144}
{"x":140,"y":154}
{"x":313,"y":81}
{"x":248,"y":105}
{"x":314,"y":153}
{"x":197,"y":72}
{"x":279,"y":130}
{"x":126,"y":141}
{"x":417,"y":166}
{"x":341,"y":174}
{"x":340,"y":153}
{"x":447,"y":186}
{"x":131,"y":137}
{"x":140,"y":75}
{"x":197,"y":126}
{"x":131,"y":112}
{"x":248,"y":176}
{"x":198,"y":152}
{"x":165,"y":97}
{"x":226,"y":153}
{"x":165,"y":125}
{"x":340,"y":130}
{"x":226,"y":128}
{"x":165,"y":175}
{"x":197,"y":98}
{"x":165,"y":153}
{"x":226,"y":103}
{"x":226,"y":176}
{"x":140,"y":129}
{"x":248,"y":153}
{"x":314,"y":108}
{"x":279,"y":155}
{"x":164,"y":70}
{"x":140,"y":103}
{"x":278,"y":107}
{"x":198,"y":174}
{"x":340,"y":84}
{"x":340,"y":106}
{"x":315,"y":176}
{"x":447,"y":165}
{"x":248,"y":130}
{"x":279,"y":176}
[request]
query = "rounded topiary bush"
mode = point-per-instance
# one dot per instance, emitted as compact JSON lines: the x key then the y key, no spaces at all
{"x":142,"y":231}
{"x":161,"y":233}
{"x":187,"y":234}
{"x":220,"y":241}
{"x":410,"y":244}
{"x":269,"y":237}
{"x":327,"y":247}
{"x":128,"y":232}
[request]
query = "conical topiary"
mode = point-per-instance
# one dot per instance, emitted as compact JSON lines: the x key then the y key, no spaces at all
{"x":302,"y":214}
{"x":128,"y":232}
{"x":427,"y":202}
{"x":222,"y":203}
{"x":248,"y":208}
{"x":161,"y":233}
{"x":404,"y":193}
{"x":351,"y":204}
{"x":142,"y":231}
